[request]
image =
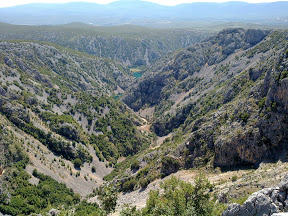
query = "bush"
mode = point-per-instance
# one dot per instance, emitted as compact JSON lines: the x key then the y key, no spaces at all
{"x":143,"y":183}
{"x":76,"y":197}
{"x":130,"y":211}
{"x":234,"y":178}
{"x":261,"y":103}
{"x":69,"y":199}
{"x":135,"y":165}
{"x":85,"y":208}
{"x":129,"y":185}
{"x":244,"y":116}
{"x":93,"y":169}
{"x":35,"y":173}
{"x":108,"y":197}
{"x":77,"y":163}
{"x":180,"y":198}
{"x":169,"y":165}
{"x":46,"y":189}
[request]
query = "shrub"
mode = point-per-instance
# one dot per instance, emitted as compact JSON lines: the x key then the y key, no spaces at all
{"x":108,"y":197}
{"x":261,"y":103}
{"x":234,"y":178}
{"x":76,"y":197}
{"x":129,"y":185}
{"x":130,"y":211}
{"x":169,"y":165}
{"x":46,"y":189}
{"x":77,"y":163}
{"x":244,"y":116}
{"x":143,"y":183}
{"x":68,"y":199}
{"x":85,"y":208}
{"x":35,"y":173}
{"x":135,"y":165}
{"x":180,"y":198}
{"x":93,"y":169}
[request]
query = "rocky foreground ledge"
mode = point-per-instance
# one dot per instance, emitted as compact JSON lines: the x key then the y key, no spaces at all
{"x":265,"y":202}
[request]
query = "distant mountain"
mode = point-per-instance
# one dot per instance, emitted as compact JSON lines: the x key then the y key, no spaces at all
{"x":141,"y":12}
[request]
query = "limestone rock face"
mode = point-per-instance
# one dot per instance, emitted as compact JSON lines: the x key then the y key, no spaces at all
{"x":264,"y":202}
{"x":266,"y":139}
{"x":184,"y":64}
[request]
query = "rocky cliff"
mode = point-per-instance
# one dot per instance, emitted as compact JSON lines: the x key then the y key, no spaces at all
{"x":223,"y":102}
{"x":262,"y":203}
{"x":180,"y":72}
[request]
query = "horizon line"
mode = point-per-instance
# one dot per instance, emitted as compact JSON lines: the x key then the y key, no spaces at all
{"x":6,"y":5}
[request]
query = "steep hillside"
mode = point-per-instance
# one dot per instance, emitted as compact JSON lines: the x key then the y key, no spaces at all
{"x":130,"y":45}
{"x":59,"y":98}
{"x":182,"y":71}
{"x":61,"y":132}
{"x":222,"y":103}
{"x":217,"y":105}
{"x":25,"y":194}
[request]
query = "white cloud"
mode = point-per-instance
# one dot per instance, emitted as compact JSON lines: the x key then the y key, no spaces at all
{"x":5,"y":3}
{"x":176,"y":2}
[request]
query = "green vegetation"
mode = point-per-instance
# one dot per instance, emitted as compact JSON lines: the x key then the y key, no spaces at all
{"x":58,"y":146}
{"x":64,"y":99}
{"x":108,"y":197}
{"x":244,"y":116}
{"x":129,"y":185}
{"x":67,"y":93}
{"x":179,"y":198}
{"x":93,"y":169}
{"x":77,"y":163}
{"x":234,"y":178}
{"x":120,"y":136}
{"x":89,"y":209}
{"x":64,"y":125}
{"x":21,"y":197}
{"x":135,"y":165}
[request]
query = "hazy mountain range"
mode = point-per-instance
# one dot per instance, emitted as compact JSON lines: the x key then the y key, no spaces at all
{"x":144,"y":13}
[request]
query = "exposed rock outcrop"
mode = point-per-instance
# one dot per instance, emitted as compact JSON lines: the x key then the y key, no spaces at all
{"x":264,"y":202}
{"x":167,"y":75}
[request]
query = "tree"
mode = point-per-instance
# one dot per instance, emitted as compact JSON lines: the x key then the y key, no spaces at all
{"x":130,"y":211}
{"x":93,"y":169}
{"x":180,"y":198}
{"x":108,"y":197}
{"x":77,"y":163}
{"x":68,"y":199}
{"x":135,"y":165}
{"x":76,"y":197}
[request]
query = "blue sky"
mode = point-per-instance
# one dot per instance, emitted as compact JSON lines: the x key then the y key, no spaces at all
{"x":5,"y":3}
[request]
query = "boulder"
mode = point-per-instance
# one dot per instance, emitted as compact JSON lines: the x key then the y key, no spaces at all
{"x":53,"y":212}
{"x":2,"y":91}
{"x":264,"y":202}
